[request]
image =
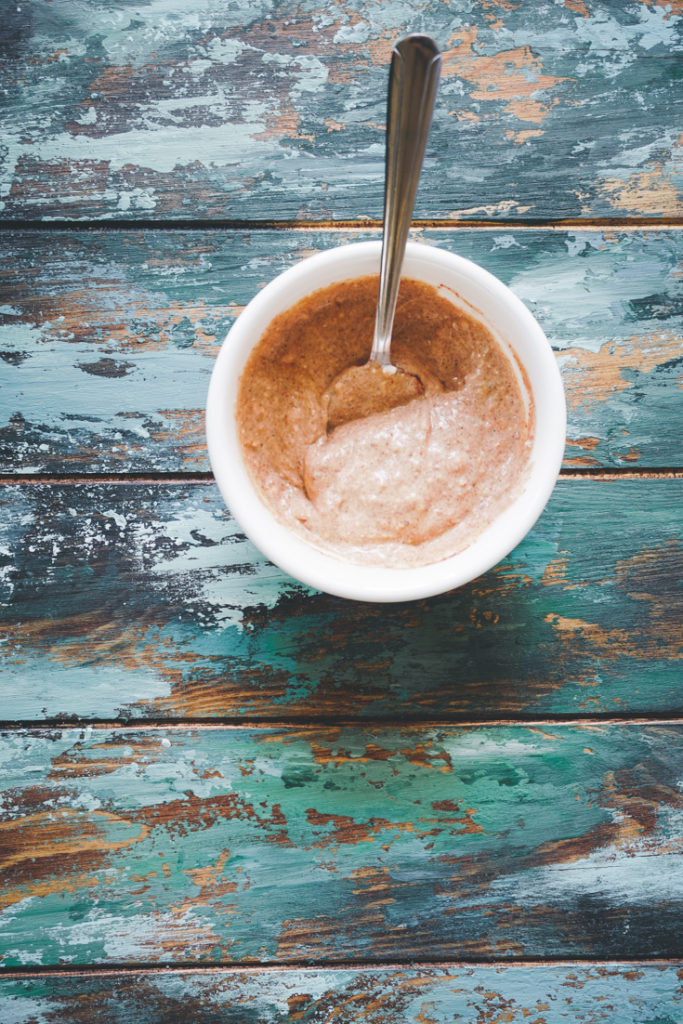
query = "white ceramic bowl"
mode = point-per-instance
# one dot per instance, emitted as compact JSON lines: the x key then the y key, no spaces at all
{"x":509,"y":320}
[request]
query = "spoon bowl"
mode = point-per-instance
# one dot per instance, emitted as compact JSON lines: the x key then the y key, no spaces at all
{"x":379,"y":385}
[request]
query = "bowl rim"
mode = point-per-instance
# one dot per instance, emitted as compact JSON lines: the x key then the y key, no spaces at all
{"x":291,"y":552}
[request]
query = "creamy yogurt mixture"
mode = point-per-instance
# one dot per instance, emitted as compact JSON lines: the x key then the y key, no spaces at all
{"x":402,"y":486}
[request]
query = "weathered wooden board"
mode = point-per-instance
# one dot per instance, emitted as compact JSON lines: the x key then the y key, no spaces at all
{"x":329,"y":845}
{"x":336,"y":843}
{"x":505,"y":994}
{"x":108,"y":338}
{"x":146,"y":600}
{"x":276,"y":110}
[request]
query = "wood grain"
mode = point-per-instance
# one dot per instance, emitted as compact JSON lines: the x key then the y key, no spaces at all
{"x":276,"y":111}
{"x":139,"y":600}
{"x":329,"y":845}
{"x":543,"y":994}
{"x":107,"y":339}
{"x":210,"y":766}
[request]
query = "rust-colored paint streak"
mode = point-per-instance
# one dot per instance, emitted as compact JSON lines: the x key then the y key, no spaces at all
{"x":133,"y":648}
{"x":519,"y":138}
{"x":38,"y":888}
{"x":60,"y":832}
{"x":544,"y":734}
{"x":212,"y":884}
{"x":50,"y":58}
{"x":650,"y":192}
{"x":284,"y":122}
{"x":449,"y":806}
{"x":594,"y":377}
{"x":210,"y":873}
{"x":79,"y":178}
{"x":78,"y":762}
{"x":672,"y":8}
{"x":509,"y":578}
{"x":186,"y":433}
{"x":165,"y":319}
{"x":556,"y":572}
{"x":374,"y":884}
{"x":118,"y":81}
{"x":465,"y":819}
{"x":58,"y":851}
{"x":640,"y":577}
{"x":345,"y":830}
{"x":209,"y":695}
{"x":614,"y":643}
{"x":320,"y":935}
{"x":639,"y":807}
{"x":193,"y":814}
{"x":512,"y":76}
{"x":578,"y":6}
{"x":587,"y":444}
{"x":323,"y":755}
{"x":478,"y":873}
{"x":297,"y":1006}
{"x":79,"y":314}
{"x":420,"y":756}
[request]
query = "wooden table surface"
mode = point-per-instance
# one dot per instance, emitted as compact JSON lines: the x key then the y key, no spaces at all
{"x":227,"y":797}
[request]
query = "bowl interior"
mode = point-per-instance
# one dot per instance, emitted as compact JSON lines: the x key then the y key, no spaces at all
{"x":464,"y":283}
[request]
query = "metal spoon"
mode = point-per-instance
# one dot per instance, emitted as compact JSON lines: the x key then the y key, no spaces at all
{"x":413,"y":79}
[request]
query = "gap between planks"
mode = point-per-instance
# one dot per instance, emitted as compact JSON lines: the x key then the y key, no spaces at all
{"x":313,"y":723}
{"x":218,"y":224}
{"x":205,"y":477}
{"x":309,"y":967}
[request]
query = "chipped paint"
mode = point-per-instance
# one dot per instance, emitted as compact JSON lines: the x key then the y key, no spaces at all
{"x":131,"y":324}
{"x":129,"y":599}
{"x":610,"y":644}
{"x":594,"y":377}
{"x":655,"y":191}
{"x":512,"y":76}
{"x":172,"y":612}
{"x":301,"y":859}
{"x":505,"y":994}
{"x":226,"y":111}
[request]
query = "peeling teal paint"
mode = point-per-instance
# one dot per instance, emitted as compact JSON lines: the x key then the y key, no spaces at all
{"x":275,"y":110}
{"x":147,"y":600}
{"x":545,"y":994}
{"x":129,"y":325}
{"x":247,"y":844}
{"x":135,"y":600}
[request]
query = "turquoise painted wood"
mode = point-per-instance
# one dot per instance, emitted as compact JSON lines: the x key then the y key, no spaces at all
{"x":337,"y":845}
{"x":543,"y":994}
{"x":107,"y":339}
{"x":207,"y":765}
{"x":125,"y":600}
{"x":276,"y":110}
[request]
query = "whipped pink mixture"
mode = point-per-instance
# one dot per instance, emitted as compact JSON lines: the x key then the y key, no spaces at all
{"x":401,"y":486}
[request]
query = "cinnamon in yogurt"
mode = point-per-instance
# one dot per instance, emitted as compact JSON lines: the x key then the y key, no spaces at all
{"x":403,"y":486}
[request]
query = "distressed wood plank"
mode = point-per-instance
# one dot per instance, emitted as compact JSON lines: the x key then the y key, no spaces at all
{"x":145,"y":600}
{"x":544,"y":994}
{"x":329,"y":845}
{"x":276,"y":110}
{"x":107,"y":339}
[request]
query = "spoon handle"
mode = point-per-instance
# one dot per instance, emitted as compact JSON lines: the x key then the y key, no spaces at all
{"x":413,"y":80}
